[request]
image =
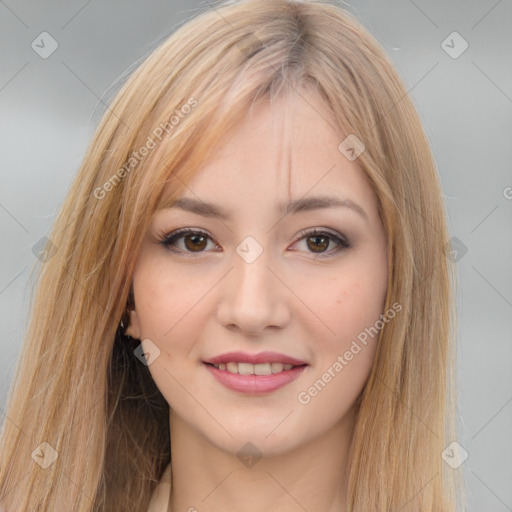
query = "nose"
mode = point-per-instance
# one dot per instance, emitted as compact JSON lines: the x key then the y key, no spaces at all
{"x":253,"y":299}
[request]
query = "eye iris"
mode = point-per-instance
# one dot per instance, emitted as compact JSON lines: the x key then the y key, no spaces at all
{"x":195,"y":240}
{"x":325,"y":242}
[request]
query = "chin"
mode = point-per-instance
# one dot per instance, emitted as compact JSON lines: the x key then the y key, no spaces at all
{"x":257,"y":446}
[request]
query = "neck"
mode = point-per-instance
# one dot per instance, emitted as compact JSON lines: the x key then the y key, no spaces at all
{"x":312,"y":476}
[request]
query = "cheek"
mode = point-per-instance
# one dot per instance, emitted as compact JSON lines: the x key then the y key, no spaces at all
{"x":159,"y":298}
{"x":350,"y":305}
{"x":354,"y":302}
{"x":166,"y":302}
{"x":351,"y":309}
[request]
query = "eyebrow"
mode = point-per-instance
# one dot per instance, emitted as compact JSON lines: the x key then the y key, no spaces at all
{"x":205,"y":209}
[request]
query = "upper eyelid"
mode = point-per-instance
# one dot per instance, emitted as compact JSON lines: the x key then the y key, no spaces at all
{"x":301,"y":233}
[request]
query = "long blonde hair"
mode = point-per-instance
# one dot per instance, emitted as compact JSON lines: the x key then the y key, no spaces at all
{"x":78,"y":386}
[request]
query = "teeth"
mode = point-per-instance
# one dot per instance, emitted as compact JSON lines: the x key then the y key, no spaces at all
{"x":245,"y":368}
{"x":263,"y":369}
{"x":277,"y":367}
{"x":254,"y":369}
{"x":232,"y":368}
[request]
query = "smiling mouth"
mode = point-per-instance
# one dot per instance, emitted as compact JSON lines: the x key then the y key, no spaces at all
{"x":254,"y":369}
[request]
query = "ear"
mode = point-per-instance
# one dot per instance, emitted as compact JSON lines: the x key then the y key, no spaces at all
{"x":133,"y":329}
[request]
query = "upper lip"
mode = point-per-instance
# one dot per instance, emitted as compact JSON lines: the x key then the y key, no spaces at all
{"x":261,"y":357}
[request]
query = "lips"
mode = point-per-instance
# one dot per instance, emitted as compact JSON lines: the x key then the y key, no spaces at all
{"x":255,"y":384}
{"x":255,"y":373}
{"x":262,"y":357}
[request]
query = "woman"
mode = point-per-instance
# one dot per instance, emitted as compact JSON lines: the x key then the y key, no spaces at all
{"x":246,"y":304}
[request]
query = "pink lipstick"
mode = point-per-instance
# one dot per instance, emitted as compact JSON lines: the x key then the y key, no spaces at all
{"x":255,"y":373}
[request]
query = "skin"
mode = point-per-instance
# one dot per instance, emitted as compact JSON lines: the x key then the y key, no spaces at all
{"x":291,"y":299}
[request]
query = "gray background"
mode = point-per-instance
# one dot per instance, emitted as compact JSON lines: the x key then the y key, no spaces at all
{"x":49,"y":108}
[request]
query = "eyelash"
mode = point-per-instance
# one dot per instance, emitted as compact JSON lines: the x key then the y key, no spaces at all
{"x":168,"y":240}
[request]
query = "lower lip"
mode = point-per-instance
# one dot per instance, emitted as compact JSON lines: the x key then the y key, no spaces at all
{"x":255,"y":384}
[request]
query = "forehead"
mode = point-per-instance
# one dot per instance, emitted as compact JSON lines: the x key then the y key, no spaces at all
{"x":282,"y":151}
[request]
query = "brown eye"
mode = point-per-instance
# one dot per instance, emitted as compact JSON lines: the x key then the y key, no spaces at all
{"x":195,"y":241}
{"x":319,"y":243}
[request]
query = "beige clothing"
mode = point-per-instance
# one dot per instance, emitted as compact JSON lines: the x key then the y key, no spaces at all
{"x":160,"y":498}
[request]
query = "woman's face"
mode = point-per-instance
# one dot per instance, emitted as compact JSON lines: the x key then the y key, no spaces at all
{"x":254,"y":278}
